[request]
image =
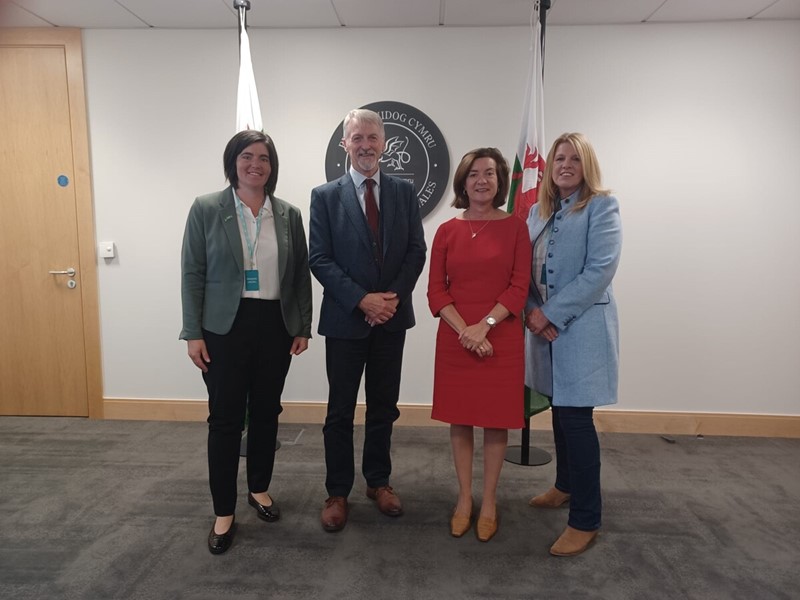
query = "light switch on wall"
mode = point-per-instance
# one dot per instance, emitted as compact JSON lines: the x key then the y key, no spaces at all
{"x":107,"y":250}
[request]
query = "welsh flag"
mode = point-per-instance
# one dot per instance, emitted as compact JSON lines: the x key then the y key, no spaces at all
{"x":248,"y":110}
{"x":529,"y":167}
{"x":529,"y":162}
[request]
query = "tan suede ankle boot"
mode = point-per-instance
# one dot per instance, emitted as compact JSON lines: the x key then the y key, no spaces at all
{"x":552,"y":498}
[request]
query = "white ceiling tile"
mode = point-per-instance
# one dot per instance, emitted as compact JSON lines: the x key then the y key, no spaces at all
{"x":479,"y":13}
{"x":291,"y":13}
{"x":388,"y":13}
{"x":600,"y":12}
{"x":82,"y":13}
{"x":197,"y":14}
{"x":12,"y":15}
{"x":783,"y":9}
{"x":680,"y":11}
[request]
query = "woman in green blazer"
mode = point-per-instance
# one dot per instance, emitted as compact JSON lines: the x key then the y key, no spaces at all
{"x":246,"y":295}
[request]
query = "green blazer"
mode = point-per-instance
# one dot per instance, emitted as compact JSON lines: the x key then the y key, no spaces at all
{"x":212,"y":267}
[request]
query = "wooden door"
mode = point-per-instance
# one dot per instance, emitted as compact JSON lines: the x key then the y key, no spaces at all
{"x":49,"y":354}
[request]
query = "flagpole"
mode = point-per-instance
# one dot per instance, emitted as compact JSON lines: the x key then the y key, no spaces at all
{"x":525,"y":454}
{"x":544,"y":6}
{"x":241,"y":6}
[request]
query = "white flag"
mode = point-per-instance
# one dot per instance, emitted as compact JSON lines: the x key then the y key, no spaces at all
{"x":248,"y":110}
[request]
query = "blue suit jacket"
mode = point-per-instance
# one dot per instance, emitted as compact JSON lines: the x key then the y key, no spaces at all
{"x":580,"y":368}
{"x":342,"y":260}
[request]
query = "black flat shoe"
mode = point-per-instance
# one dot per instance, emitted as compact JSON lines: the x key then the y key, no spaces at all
{"x":269,"y":513}
{"x":220,"y":542}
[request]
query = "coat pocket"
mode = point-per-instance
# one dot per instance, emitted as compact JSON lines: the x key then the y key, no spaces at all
{"x":604,"y":299}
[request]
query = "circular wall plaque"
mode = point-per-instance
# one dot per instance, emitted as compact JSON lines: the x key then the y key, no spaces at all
{"x":415,"y":151}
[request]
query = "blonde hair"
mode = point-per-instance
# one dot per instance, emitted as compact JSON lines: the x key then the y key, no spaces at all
{"x":591,"y":185}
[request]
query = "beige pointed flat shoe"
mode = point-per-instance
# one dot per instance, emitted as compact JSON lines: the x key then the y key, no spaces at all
{"x":486,"y":528}
{"x":460,"y":524}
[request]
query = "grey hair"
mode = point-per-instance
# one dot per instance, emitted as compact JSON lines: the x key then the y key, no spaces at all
{"x":363,"y":115}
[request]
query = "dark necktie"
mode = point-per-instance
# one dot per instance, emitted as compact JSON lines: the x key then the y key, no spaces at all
{"x":371,"y":206}
{"x":373,"y":217}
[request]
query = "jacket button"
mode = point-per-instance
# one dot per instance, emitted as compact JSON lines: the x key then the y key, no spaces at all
{"x":551,"y":242}
{"x":555,"y":229}
{"x":549,"y":255}
{"x":549,"y":270}
{"x":551,"y":286}
{"x":558,"y":217}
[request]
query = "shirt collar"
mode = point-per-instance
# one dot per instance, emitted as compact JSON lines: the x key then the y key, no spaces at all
{"x":359,"y":178}
{"x":266,"y":209}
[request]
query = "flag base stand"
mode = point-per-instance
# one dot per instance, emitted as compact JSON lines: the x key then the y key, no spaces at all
{"x":243,"y":446}
{"x":527,"y":455}
{"x":534,"y":457}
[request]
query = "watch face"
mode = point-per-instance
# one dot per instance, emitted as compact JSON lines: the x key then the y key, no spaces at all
{"x":491,"y":321}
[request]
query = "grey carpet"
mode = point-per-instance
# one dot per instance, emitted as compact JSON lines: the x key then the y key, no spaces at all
{"x":121,"y":509}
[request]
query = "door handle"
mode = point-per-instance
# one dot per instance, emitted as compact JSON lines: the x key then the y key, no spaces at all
{"x":69,"y":272}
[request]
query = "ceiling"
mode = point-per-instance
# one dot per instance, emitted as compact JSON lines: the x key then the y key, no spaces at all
{"x":220,"y":14}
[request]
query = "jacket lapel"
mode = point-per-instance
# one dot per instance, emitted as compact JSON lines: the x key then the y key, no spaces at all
{"x":388,"y":211}
{"x":352,"y":208}
{"x":281,"y":234}
{"x":227,"y":214}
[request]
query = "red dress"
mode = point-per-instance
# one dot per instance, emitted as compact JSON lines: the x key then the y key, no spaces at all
{"x":473,"y":274}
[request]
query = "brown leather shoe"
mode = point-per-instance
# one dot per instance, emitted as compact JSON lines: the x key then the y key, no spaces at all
{"x":552,"y":498}
{"x":334,"y":515}
{"x":572,"y":542}
{"x":486,"y":528}
{"x":388,"y":502}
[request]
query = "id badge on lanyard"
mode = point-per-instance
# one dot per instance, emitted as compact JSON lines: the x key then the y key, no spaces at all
{"x":251,"y":280}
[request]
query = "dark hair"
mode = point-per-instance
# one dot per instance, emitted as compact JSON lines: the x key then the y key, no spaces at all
{"x":236,"y":146}
{"x":460,"y":178}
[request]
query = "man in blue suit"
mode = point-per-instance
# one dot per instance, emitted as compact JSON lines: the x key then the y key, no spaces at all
{"x":367,"y":249}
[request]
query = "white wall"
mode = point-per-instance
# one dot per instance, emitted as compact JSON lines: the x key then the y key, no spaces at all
{"x":696,"y":126}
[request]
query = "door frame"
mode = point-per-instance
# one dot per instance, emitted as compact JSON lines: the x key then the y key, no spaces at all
{"x":70,"y":40}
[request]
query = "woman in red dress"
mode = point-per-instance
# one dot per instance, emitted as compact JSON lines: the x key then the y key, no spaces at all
{"x":479,"y":277}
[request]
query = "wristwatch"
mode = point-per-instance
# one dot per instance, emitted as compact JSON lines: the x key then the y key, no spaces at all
{"x":491,"y":321}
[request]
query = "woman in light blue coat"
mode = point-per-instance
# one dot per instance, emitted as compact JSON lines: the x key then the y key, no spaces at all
{"x":572,"y":337}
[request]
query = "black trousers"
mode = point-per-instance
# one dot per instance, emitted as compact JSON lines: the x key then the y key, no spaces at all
{"x":380,"y":358}
{"x":247,"y":371}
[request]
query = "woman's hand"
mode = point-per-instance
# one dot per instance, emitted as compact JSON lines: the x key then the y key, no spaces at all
{"x":472,"y":336}
{"x":485,"y":349}
{"x":299,"y":345}
{"x":538,"y":324}
{"x":549,"y":333}
{"x":199,"y":354}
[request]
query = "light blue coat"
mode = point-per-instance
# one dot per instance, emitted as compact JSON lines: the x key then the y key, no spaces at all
{"x":580,"y":368}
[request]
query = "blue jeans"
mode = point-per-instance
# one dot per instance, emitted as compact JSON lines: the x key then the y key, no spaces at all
{"x":578,"y":464}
